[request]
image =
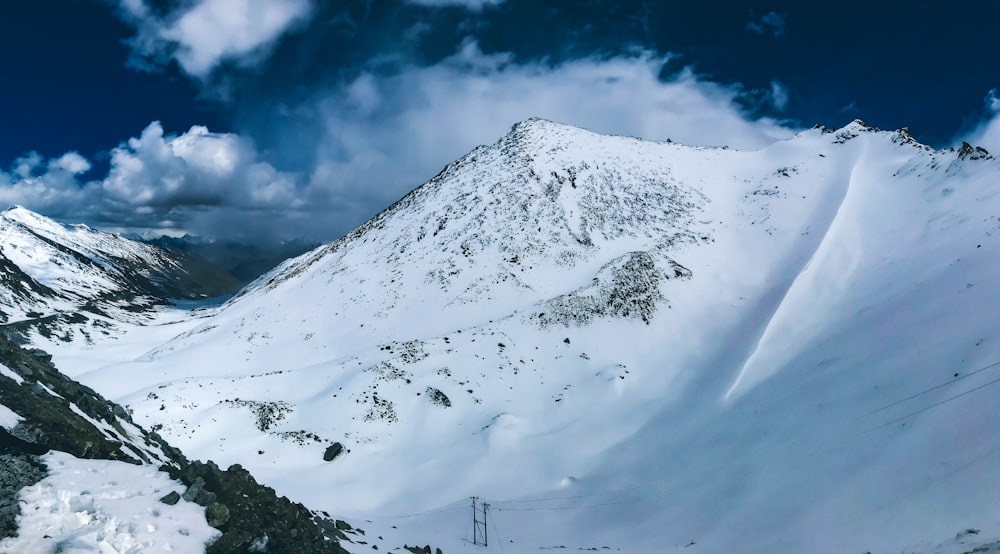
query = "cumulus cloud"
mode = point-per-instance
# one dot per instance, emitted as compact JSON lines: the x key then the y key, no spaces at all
{"x":987,"y":133}
{"x":771,"y":23}
{"x":70,"y":162}
{"x":197,"y":168}
{"x":208,"y":183}
{"x":49,"y":186}
{"x":203,"y":34}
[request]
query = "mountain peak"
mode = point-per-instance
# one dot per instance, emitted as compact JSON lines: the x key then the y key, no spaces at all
{"x":860,"y":125}
{"x":853,"y":129}
{"x":970,"y":152}
{"x":19,"y":214}
{"x":535,"y":129}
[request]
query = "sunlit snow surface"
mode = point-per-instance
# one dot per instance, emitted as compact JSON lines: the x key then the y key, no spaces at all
{"x":815,"y":375}
{"x":105,"y":507}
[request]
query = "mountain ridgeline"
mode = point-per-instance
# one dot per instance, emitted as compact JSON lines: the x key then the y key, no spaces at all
{"x":73,"y":281}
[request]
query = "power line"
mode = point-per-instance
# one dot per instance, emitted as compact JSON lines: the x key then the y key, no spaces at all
{"x":934,"y":405}
{"x":932,"y":389}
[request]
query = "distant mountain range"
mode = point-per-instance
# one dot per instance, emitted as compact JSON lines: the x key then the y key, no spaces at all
{"x":55,"y":274}
{"x":242,"y":260}
{"x":619,"y":345}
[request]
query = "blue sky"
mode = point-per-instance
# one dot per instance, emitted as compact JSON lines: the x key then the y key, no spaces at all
{"x":302,"y":118}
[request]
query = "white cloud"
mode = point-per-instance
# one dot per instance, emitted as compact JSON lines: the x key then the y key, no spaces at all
{"x":49,"y":187}
{"x":208,"y":183}
{"x":71,"y":162}
{"x":197,"y":168}
{"x":771,"y":23}
{"x":203,"y":34}
{"x":987,"y":133}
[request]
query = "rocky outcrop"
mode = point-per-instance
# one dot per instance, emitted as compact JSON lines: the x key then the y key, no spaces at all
{"x":252,"y":517}
{"x":60,"y":414}
{"x":628,"y":287}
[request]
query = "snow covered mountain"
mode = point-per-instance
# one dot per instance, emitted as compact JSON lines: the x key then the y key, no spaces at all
{"x":62,"y":280}
{"x":625,"y":344}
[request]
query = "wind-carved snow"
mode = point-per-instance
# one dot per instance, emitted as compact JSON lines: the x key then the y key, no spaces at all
{"x":651,"y":346}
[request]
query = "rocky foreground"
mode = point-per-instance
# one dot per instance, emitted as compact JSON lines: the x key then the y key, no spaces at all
{"x":58,"y":414}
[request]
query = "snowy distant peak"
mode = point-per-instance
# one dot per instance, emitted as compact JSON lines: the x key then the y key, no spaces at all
{"x":852,"y":130}
{"x":904,"y":136}
{"x":969,"y":152}
{"x":24,"y":216}
{"x":860,"y":125}
{"x":54,"y":272}
{"x":94,"y":244}
{"x":608,"y":311}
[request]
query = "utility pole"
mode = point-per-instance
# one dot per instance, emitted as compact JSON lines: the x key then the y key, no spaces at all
{"x":476,"y":523}
{"x":486,"y":507}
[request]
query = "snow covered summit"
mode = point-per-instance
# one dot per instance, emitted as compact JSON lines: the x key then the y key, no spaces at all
{"x":621,"y":343}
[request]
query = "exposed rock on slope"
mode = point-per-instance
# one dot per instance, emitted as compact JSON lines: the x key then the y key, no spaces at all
{"x":57,"y":413}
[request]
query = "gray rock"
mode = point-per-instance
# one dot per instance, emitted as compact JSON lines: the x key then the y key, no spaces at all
{"x":192,"y":492}
{"x":217,"y":514}
{"x":16,"y":471}
{"x":204,"y":498}
{"x":171,"y":499}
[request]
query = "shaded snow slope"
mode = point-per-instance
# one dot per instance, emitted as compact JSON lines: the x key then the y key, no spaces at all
{"x":621,"y":343}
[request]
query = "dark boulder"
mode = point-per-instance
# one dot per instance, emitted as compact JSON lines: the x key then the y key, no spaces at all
{"x":334,"y":450}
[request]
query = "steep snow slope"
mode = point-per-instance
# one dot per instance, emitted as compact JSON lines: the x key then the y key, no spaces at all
{"x":628,"y":344}
{"x":73,"y":281}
